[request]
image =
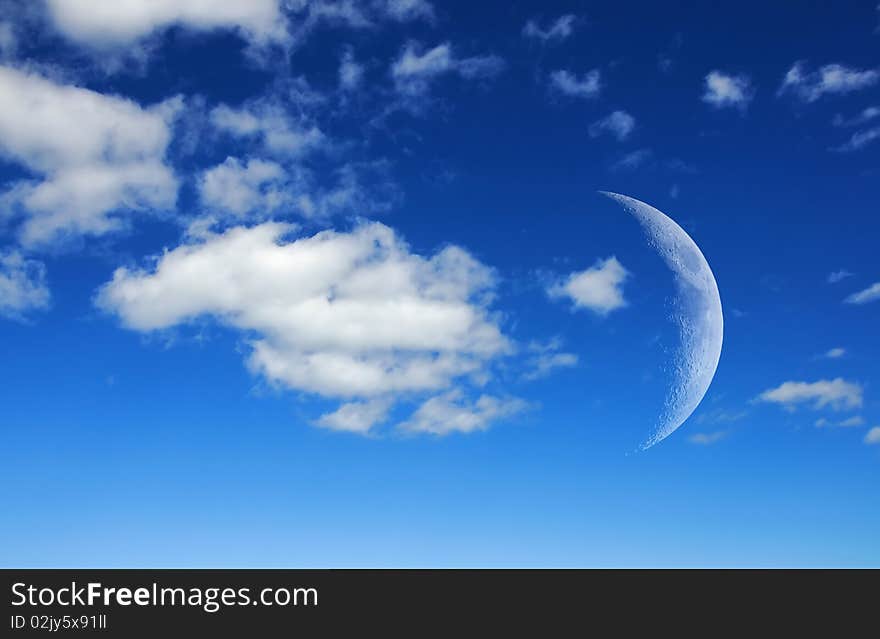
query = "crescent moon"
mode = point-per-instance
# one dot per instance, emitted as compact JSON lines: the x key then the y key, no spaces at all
{"x":697,"y":314}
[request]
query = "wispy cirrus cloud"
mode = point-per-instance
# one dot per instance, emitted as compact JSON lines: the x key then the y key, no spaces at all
{"x":632,"y":160}
{"x":849,"y":422}
{"x":859,"y":140}
{"x":707,"y":439}
{"x":417,"y":67}
{"x":830,"y":79}
{"x":870,"y":294}
{"x":863,"y":117}
{"x":556,"y":31}
{"x":838,"y":276}
{"x":619,"y":124}
{"x":547,"y":357}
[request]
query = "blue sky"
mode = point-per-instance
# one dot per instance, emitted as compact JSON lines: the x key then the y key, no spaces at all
{"x":284,"y":285}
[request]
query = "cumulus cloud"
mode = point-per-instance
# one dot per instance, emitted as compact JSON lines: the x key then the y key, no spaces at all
{"x":587,"y":86}
{"x":352,"y":315}
{"x":416,"y":68}
{"x":870,"y":294}
{"x":618,"y":124}
{"x":97,"y":156}
{"x":556,"y":31}
{"x":243,"y":188}
{"x":873,"y":436}
{"x":598,"y":288}
{"x":707,"y":439}
{"x":452,"y":413}
{"x":351,"y":73}
{"x":22,"y":285}
{"x":831,"y":79}
{"x":835,"y":353}
{"x":726,"y":90}
{"x":116,"y":24}
{"x":278,"y":131}
{"x":837,"y":394}
{"x":356,"y":417}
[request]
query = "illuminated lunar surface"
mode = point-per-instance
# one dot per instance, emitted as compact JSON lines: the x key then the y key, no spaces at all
{"x":696,"y":313}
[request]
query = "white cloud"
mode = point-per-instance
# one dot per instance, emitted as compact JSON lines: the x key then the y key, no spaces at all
{"x":720,"y":416}
{"x":22,"y":285}
{"x":598,"y":289}
{"x":866,"y":115}
{"x":352,"y":14}
{"x":632,"y":160}
{"x":831,"y":79}
{"x":359,"y":189}
{"x":725,"y":90}
{"x":351,"y":73}
{"x":873,"y":436}
{"x":239,"y":189}
{"x":406,"y":10}
{"x":557,"y":31}
{"x":257,"y":188}
{"x":416,"y":68}
{"x":837,"y":276}
{"x":567,"y":83}
{"x":270,"y":124}
{"x":849,"y":422}
{"x":97,"y":156}
{"x":837,"y":394}
{"x":349,"y":315}
{"x":870,"y":294}
{"x":859,"y":140}
{"x":835,"y":353}
{"x":862,"y":138}
{"x":707,"y":439}
{"x":546,"y":358}
{"x":122,"y":22}
{"x":618,"y":123}
{"x":451,"y":413}
{"x":356,"y":417}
